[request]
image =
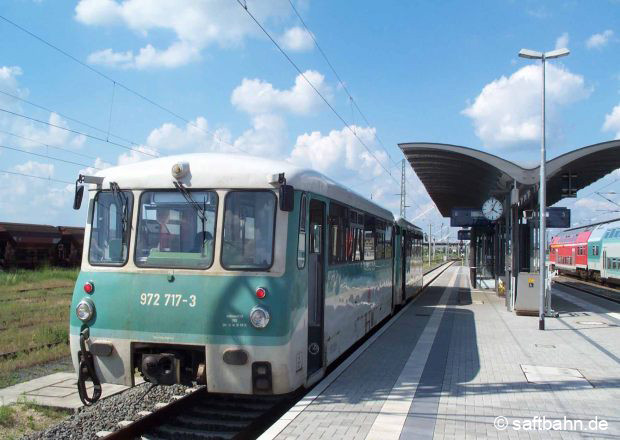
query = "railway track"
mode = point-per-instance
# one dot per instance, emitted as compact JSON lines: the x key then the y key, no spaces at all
{"x":200,"y":415}
{"x":205,"y":416}
{"x":14,"y":354}
{"x":610,"y":294}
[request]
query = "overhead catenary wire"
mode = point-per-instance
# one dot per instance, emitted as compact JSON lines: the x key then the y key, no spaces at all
{"x":51,"y":179}
{"x":6,"y":147}
{"x":119,"y":84}
{"x":69,"y":118}
{"x":602,"y":187}
{"x":87,"y":156}
{"x":296,"y":67}
{"x":342,"y":83}
{"x":90,"y":136}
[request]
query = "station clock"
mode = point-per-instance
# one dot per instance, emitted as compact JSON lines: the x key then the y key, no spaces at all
{"x":492,"y":209}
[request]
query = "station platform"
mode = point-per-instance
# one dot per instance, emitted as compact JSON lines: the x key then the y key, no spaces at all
{"x":455,"y":364}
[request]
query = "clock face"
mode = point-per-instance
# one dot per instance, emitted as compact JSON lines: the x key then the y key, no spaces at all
{"x":492,"y":209}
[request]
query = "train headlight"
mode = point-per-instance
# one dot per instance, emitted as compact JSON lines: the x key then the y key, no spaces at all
{"x":85,"y":310}
{"x":259,"y":317}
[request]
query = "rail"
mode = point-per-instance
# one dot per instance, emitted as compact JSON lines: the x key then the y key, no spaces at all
{"x":612,"y":295}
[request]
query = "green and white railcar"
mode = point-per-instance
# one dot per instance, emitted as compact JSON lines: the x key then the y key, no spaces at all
{"x":245,"y":274}
{"x":610,"y":253}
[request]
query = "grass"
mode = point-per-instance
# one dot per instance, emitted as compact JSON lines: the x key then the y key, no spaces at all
{"x":7,"y":416}
{"x":434,"y":262}
{"x":27,"y":417}
{"x":34,"y":311}
{"x":32,"y":277}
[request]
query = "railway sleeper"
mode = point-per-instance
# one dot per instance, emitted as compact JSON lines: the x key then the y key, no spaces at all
{"x":226,"y":414}
{"x":236,"y":405}
{"x":211,"y":423}
{"x":178,"y":433}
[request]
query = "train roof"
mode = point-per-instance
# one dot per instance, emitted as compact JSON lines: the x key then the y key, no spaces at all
{"x":27,"y":227}
{"x":404,"y":223}
{"x":233,"y":171}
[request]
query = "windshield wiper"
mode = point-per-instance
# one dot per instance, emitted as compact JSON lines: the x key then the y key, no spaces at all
{"x":122,"y":198}
{"x":200,"y":210}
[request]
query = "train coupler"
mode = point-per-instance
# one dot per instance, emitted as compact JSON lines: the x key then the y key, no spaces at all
{"x":86,"y":371}
{"x":161,"y":368}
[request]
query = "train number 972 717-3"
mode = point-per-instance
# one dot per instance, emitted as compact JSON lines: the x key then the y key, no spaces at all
{"x":167,"y":300}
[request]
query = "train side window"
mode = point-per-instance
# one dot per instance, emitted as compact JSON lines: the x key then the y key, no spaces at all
{"x":338,"y":228}
{"x":357,"y":226}
{"x":369,"y":238}
{"x":380,"y":237}
{"x":301,"y":238}
{"x":388,"y":241}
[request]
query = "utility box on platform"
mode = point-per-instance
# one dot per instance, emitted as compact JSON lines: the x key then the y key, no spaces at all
{"x":528,"y":293}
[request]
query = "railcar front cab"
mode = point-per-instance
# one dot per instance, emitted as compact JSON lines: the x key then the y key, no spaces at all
{"x":163,"y":364}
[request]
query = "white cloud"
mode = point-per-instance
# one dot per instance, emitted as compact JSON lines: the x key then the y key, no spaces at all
{"x":33,"y":200}
{"x":267,"y":137}
{"x":107,"y":57}
{"x":507,"y":110}
{"x":51,"y":134}
{"x":612,"y":121}
{"x":195,"y":136}
{"x":562,"y":41}
{"x":136,"y":155}
{"x":297,"y":39}
{"x":8,"y":77}
{"x":39,"y":133}
{"x":339,"y":151}
{"x":598,"y":41}
{"x":36,"y":169}
{"x":592,"y":209}
{"x":257,"y":96}
{"x":196,"y":25}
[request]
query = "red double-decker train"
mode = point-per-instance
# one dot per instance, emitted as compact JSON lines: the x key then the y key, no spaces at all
{"x":592,"y":251}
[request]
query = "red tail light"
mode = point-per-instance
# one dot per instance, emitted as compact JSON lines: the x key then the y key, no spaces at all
{"x":261,"y":292}
{"x":89,"y":287}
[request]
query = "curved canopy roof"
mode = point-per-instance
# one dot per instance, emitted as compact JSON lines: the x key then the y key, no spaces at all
{"x":461,"y":177}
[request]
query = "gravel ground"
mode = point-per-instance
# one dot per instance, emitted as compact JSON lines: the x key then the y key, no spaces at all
{"x":60,"y":365}
{"x":105,"y":414}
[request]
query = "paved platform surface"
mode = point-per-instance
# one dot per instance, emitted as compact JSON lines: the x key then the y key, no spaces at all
{"x":58,"y":390}
{"x":455,"y":364}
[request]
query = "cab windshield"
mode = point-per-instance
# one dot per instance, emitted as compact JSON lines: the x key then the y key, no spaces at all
{"x":175,"y":233}
{"x":109,"y":232}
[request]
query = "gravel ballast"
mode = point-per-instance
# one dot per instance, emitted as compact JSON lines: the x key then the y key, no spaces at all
{"x":105,"y":414}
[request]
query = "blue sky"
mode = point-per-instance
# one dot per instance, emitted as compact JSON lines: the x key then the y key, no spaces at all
{"x":419,"y":71}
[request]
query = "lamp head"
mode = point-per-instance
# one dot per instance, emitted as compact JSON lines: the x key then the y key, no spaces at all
{"x":557,"y":53}
{"x":530,"y":54}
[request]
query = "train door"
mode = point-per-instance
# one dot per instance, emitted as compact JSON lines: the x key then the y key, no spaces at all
{"x":604,"y":264}
{"x":316,"y":286}
{"x":397,"y":296}
{"x":405,"y":245}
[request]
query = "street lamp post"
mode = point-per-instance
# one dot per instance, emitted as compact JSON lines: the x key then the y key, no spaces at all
{"x":542,"y":56}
